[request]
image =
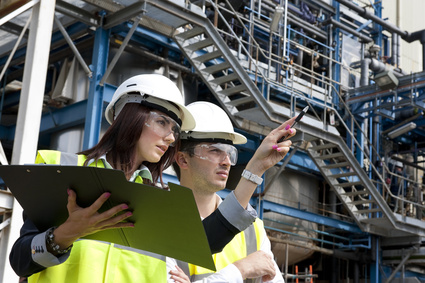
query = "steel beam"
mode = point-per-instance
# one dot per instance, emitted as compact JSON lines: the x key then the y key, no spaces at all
{"x":95,"y":100}
{"x":29,"y":116}
{"x":77,"y":13}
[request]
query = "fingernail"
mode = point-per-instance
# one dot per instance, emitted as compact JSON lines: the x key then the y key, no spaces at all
{"x":274,"y":146}
{"x":124,"y":206}
{"x":107,"y":194}
{"x":129,"y":213}
{"x":287,"y":127}
{"x":291,"y":131}
{"x":278,"y":149}
{"x":67,"y":190}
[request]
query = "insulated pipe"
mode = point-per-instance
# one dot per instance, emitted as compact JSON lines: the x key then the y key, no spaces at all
{"x":362,"y":12}
{"x":347,"y":29}
{"x":398,"y":51}
{"x":364,"y":73}
{"x":394,"y":56}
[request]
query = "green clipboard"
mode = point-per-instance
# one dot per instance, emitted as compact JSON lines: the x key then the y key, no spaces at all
{"x":167,"y":222}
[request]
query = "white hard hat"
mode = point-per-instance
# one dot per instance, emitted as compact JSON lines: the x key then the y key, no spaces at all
{"x":155,"y":91}
{"x":212,"y":123}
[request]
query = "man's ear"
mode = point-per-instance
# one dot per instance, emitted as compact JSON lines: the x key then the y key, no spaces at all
{"x":181,"y":159}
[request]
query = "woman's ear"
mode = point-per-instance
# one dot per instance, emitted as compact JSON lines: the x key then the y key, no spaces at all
{"x":181,"y":159}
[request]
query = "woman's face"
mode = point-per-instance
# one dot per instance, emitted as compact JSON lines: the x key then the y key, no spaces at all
{"x":159,"y":132}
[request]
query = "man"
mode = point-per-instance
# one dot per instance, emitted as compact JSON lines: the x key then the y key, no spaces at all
{"x":203,"y":165}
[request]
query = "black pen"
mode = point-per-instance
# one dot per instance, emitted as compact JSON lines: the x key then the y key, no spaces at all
{"x":295,"y":122}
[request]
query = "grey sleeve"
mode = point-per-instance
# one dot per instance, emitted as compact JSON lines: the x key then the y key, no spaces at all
{"x":235,"y":214}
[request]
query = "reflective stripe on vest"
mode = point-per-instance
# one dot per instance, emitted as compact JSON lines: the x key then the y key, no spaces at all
{"x":96,"y":261}
{"x":242,"y":245}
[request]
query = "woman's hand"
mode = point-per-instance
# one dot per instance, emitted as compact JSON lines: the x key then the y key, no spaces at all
{"x":179,"y":276}
{"x":271,"y":151}
{"x":85,"y":221}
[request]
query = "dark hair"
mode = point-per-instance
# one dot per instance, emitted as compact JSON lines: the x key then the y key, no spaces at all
{"x":185,"y":146}
{"x":120,"y":141}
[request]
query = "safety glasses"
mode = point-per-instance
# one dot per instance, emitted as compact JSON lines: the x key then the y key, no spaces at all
{"x":217,"y":152}
{"x":163,"y":126}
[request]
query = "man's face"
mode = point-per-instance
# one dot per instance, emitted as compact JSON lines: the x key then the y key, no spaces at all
{"x":210,"y":166}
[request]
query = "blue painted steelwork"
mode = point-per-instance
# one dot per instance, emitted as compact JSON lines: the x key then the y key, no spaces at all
{"x":375,"y":275}
{"x":63,"y":118}
{"x":56,"y":120}
{"x":361,"y":142}
{"x":108,"y":92}
{"x":312,"y":217}
{"x":347,"y":242}
{"x":95,"y":100}
{"x":336,"y":73}
{"x":305,"y":215}
{"x":363,"y":25}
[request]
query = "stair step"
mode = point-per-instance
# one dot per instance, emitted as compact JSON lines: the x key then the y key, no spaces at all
{"x":225,"y":79}
{"x":190,"y":33}
{"x":355,"y":193}
{"x":336,"y":165}
{"x":349,"y":184}
{"x":329,"y":156}
{"x":345,"y":174}
{"x":216,"y":68}
{"x":363,"y":211}
{"x":357,"y":202}
{"x":323,"y":146}
{"x":208,"y":56}
{"x":200,"y":44}
{"x":240,"y":101}
{"x":232,"y":90}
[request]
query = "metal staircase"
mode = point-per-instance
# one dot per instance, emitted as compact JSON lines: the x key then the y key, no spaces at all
{"x":234,"y":88}
{"x":356,"y":190}
{"x":212,"y":59}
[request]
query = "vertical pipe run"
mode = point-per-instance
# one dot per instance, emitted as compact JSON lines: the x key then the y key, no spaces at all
{"x":394,"y":56}
{"x":285,"y":28}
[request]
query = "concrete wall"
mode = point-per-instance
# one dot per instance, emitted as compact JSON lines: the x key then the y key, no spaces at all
{"x":410,"y":17}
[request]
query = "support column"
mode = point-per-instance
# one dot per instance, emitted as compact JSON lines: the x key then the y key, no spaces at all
{"x":336,"y":70}
{"x":95,"y":99}
{"x":29,"y":116}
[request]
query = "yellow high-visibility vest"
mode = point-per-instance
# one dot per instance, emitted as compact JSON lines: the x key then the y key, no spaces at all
{"x":93,"y":261}
{"x":243,"y":244}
